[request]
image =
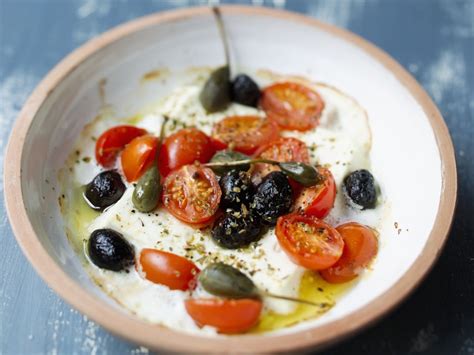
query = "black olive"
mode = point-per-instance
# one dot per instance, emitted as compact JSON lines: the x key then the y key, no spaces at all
{"x":236,"y":229}
{"x":237,"y":189}
{"x":273,"y":197}
{"x":359,"y":187}
{"x":245,"y":91}
{"x":109,"y":250}
{"x":104,"y":190}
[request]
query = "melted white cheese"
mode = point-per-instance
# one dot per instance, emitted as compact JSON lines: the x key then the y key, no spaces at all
{"x":342,"y":141}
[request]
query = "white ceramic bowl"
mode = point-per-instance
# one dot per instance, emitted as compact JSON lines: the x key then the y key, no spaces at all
{"x":412,"y":155}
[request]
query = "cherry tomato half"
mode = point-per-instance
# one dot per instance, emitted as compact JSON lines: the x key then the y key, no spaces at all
{"x":168,"y":269}
{"x":292,"y":106}
{"x":137,"y":156}
{"x":284,"y":149}
{"x":245,"y":133}
{"x":192,"y":194}
{"x":227,"y":315}
{"x":112,"y":141}
{"x":318,"y":200}
{"x":185,"y":147}
{"x":308,"y":241}
{"x":360,"y":247}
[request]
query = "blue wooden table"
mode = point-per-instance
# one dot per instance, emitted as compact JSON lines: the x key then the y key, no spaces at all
{"x":433,"y":39}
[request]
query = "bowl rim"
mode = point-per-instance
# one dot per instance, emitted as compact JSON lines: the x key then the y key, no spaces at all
{"x":156,"y":337}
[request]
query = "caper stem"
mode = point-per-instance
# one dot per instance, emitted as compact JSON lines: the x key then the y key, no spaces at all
{"x":220,"y":26}
{"x":160,"y":141}
{"x":241,"y":162}
{"x":291,"y":299}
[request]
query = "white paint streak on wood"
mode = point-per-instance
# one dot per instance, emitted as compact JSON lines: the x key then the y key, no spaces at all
{"x":462,"y":18}
{"x":14,"y":90}
{"x":339,"y":13}
{"x":447,"y":74}
{"x":279,"y":4}
{"x":257,"y":2}
{"x":425,"y":339}
{"x":97,"y":7}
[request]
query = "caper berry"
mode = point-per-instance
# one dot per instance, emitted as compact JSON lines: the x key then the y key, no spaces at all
{"x":236,"y":229}
{"x":104,"y":190}
{"x":109,"y":250}
{"x":224,"y":280}
{"x":273,"y":197}
{"x":245,"y":91}
{"x":302,"y":173}
{"x":147,"y":191}
{"x":237,"y":189}
{"x":359,"y":188}
{"x":227,"y":156}
{"x":215,"y":95}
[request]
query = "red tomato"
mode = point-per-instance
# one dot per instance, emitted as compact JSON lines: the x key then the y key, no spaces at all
{"x":227,"y":315}
{"x":283,"y":149}
{"x":137,"y":156}
{"x":245,"y":133}
{"x":185,"y":147}
{"x":308,"y":241}
{"x":360,"y":247}
{"x":168,"y":269}
{"x":217,"y":144}
{"x":318,"y":200}
{"x":112,"y":141}
{"x":192,"y":194}
{"x":292,"y":106}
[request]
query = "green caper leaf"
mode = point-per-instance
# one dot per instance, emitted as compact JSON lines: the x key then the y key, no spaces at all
{"x":228,"y":156}
{"x":224,"y":280}
{"x":215,"y":95}
{"x":146,"y":193}
{"x":305,"y":174}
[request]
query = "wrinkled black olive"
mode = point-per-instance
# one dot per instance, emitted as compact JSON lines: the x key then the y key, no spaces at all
{"x":273,"y":197}
{"x":245,"y":91}
{"x":359,"y":187}
{"x":104,"y":190}
{"x":236,"y":229}
{"x":109,"y":250}
{"x":237,"y":189}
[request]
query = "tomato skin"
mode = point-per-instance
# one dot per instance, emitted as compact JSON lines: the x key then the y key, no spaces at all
{"x":112,"y":141}
{"x":360,"y":247}
{"x":218,"y":144}
{"x":318,"y":200}
{"x":229,"y":316}
{"x":245,"y":133}
{"x":283,"y":149}
{"x":183,"y":147}
{"x":192,"y":194}
{"x":138,"y":156}
{"x":292,"y":106}
{"x":174,"y":271}
{"x":300,"y":237}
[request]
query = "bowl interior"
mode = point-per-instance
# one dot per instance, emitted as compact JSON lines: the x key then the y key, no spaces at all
{"x":405,"y":156}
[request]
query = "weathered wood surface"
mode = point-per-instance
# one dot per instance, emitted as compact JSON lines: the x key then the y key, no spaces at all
{"x":433,"y":39}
